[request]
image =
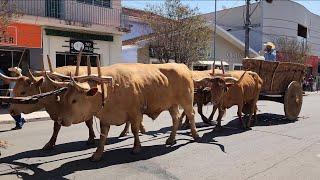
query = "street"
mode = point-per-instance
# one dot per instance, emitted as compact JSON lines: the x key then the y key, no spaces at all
{"x":274,"y":149}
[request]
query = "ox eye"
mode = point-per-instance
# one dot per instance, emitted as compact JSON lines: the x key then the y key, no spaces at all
{"x":74,"y":101}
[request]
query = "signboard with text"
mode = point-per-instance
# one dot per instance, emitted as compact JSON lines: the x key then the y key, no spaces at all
{"x":21,"y":35}
{"x":76,"y":45}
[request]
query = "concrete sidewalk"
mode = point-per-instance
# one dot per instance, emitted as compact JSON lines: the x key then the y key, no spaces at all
{"x":5,"y":117}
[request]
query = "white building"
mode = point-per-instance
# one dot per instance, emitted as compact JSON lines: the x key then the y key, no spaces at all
{"x":59,"y":28}
{"x":281,"y":18}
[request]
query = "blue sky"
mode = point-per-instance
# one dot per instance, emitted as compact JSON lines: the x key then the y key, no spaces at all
{"x":206,"y":6}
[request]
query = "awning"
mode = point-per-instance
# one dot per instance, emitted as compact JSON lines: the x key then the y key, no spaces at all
{"x":218,"y":63}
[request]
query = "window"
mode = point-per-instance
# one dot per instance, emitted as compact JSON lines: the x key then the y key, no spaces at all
{"x":64,"y":59}
{"x":53,"y":8}
{"x":102,"y":3}
{"x":237,"y":67}
{"x":302,"y":31}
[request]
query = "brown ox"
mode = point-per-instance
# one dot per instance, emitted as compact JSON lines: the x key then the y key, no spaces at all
{"x":27,"y":86}
{"x":202,"y":94}
{"x":242,"y":89}
{"x":139,"y":89}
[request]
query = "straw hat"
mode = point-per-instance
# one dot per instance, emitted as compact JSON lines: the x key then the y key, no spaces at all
{"x":270,"y":44}
{"x":15,"y":70}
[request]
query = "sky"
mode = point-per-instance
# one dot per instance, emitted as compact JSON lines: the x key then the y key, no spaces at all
{"x":206,"y":6}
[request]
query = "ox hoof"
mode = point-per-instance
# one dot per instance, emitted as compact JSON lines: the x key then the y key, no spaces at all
{"x":185,"y":125}
{"x":123,"y":134}
{"x":136,"y":150}
{"x":48,"y":146}
{"x":96,"y":157}
{"x":91,"y":141}
{"x":142,"y":130}
{"x":218,"y":128}
{"x":196,"y":138}
{"x":170,"y":141}
{"x":206,"y":121}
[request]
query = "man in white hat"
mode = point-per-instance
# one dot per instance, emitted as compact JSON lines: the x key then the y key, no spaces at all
{"x":270,"y":52}
{"x":14,"y":72}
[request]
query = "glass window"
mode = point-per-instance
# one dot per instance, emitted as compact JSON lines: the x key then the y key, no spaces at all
{"x":71,"y":60}
{"x":103,"y":3}
{"x":237,"y":67}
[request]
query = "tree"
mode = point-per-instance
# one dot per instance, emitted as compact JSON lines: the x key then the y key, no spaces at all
{"x":179,"y":33}
{"x":292,"y":50}
{"x":8,"y":11}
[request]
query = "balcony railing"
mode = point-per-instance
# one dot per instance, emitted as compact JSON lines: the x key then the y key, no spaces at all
{"x":72,"y":12}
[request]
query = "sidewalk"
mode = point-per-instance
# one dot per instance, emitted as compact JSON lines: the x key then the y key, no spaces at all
{"x":5,"y":117}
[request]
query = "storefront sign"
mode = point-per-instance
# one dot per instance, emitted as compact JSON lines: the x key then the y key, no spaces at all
{"x":22,"y":35}
{"x":76,"y":45}
{"x":9,"y":37}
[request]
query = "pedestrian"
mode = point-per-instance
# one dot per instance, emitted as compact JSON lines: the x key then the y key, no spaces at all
{"x":270,"y":52}
{"x":15,"y":71}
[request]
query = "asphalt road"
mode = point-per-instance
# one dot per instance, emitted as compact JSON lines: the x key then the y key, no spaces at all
{"x":274,"y":149}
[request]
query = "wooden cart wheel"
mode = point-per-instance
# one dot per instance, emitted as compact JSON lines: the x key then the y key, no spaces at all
{"x":293,"y":100}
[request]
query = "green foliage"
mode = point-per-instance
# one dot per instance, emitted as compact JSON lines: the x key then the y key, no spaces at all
{"x":8,"y":11}
{"x":179,"y":33}
{"x":292,"y":50}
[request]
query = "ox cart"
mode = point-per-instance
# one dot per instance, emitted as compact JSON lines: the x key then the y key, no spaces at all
{"x":282,"y":82}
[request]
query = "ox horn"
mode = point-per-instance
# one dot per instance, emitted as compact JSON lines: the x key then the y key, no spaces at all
{"x":213,"y":67}
{"x":30,"y":76}
{"x":78,"y":62}
{"x":76,"y":85}
{"x":56,"y":83}
{"x":88,"y":65}
{"x":234,"y":80}
{"x":222,"y":67}
{"x":49,"y":63}
{"x":8,"y":79}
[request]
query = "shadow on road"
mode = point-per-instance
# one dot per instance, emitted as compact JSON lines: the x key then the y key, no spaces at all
{"x":122,"y":154}
{"x":111,"y":157}
{"x":265,"y":119}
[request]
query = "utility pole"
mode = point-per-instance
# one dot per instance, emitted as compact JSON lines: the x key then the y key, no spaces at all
{"x":215,"y":29}
{"x":247,"y":28}
{"x":214,"y":35}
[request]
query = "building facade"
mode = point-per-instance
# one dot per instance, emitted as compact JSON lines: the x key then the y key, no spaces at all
{"x":59,"y":29}
{"x":229,"y":49}
{"x":269,"y":21}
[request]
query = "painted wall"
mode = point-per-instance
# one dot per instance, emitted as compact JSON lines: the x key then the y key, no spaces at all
{"x":281,"y":18}
{"x":232,"y":20}
{"x":110,"y":51}
{"x":228,"y":52}
{"x":137,"y":29}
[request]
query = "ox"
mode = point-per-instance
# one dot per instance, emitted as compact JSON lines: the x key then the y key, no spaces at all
{"x":140,"y":89}
{"x":242,"y":89}
{"x":27,"y":86}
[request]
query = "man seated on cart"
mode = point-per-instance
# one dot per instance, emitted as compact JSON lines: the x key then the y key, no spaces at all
{"x":270,"y":52}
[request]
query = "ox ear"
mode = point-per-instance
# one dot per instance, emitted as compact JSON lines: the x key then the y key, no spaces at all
{"x":92,"y":91}
{"x":39,"y":82}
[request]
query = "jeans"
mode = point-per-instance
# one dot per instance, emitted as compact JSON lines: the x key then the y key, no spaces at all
{"x":19,"y":120}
